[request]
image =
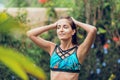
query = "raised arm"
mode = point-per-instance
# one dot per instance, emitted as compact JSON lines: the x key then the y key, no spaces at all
{"x":86,"y":45}
{"x":33,"y":35}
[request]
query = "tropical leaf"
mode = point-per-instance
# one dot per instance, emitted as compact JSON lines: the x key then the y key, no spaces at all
{"x":14,"y":66}
{"x":9,"y":24}
{"x":3,"y":17}
{"x":20,"y":64}
{"x":101,"y":30}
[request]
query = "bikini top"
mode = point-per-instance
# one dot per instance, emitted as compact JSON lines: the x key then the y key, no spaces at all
{"x":63,"y":60}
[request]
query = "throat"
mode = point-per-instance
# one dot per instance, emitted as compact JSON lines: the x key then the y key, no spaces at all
{"x":66,"y":45}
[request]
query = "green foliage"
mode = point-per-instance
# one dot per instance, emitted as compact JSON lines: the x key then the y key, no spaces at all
{"x":19,"y":64}
{"x":12,"y":59}
{"x":36,"y":3}
{"x":8,"y":24}
{"x":104,"y":14}
{"x":63,"y":3}
{"x":17,"y":3}
{"x":78,"y":10}
{"x":101,"y":31}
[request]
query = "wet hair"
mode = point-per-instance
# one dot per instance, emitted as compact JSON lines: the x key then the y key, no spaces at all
{"x":73,"y":26}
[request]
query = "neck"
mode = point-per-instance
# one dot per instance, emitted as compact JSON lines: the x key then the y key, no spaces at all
{"x":66,"y":44}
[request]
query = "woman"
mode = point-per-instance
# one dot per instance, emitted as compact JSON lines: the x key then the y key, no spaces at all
{"x":66,"y":58}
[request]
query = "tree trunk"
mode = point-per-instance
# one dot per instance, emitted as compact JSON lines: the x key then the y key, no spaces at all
{"x":87,"y":11}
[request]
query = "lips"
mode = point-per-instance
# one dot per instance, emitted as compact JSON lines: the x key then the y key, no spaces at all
{"x":61,"y":34}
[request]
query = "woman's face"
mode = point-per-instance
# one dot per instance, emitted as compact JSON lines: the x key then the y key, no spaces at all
{"x":64,"y":30}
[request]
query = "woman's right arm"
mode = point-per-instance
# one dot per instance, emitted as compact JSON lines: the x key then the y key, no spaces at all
{"x":44,"y":44}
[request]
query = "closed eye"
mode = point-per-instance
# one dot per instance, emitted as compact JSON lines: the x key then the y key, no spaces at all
{"x":66,"y":27}
{"x":58,"y":26}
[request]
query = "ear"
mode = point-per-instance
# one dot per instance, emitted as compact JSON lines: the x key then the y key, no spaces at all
{"x":73,"y":32}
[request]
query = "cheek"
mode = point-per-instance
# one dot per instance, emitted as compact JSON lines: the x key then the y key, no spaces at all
{"x":57,"y":31}
{"x":68,"y":31}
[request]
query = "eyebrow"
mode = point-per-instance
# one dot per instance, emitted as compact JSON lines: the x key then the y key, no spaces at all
{"x":63,"y":25}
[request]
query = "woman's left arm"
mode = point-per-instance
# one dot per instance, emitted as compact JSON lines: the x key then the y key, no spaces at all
{"x":86,"y":45}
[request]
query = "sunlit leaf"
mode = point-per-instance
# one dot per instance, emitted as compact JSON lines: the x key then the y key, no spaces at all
{"x":80,"y":36}
{"x":22,"y":64}
{"x":8,"y":24}
{"x":100,"y":30}
{"x":106,"y":4}
{"x":3,"y":17}
{"x":14,"y":66}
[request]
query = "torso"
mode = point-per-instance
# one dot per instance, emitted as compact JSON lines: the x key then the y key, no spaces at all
{"x":55,"y":75}
{"x":65,"y":75}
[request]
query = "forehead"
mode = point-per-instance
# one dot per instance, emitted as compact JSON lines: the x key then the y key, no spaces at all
{"x":63,"y":21}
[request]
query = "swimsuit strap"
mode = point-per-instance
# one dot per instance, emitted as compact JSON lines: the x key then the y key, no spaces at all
{"x":68,"y":49}
{"x":65,"y":53}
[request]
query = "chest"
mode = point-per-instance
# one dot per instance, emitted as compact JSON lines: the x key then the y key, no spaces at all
{"x":65,"y":61}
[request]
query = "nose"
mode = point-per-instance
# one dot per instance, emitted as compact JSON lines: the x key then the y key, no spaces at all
{"x":61,"y":29}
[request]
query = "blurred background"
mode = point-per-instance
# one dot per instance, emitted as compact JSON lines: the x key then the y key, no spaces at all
{"x":18,"y":16}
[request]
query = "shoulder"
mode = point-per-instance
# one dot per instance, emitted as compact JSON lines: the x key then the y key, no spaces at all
{"x":53,"y":46}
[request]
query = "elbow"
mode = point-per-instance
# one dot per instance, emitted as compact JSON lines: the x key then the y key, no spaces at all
{"x":94,"y":30}
{"x":28,"y":33}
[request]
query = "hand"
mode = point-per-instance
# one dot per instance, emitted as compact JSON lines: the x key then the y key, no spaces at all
{"x":55,"y":23}
{"x":74,"y":20}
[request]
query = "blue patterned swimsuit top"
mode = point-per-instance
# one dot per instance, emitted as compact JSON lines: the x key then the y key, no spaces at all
{"x":63,"y":60}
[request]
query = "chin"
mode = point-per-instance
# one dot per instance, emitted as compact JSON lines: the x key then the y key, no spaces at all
{"x":63,"y":38}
